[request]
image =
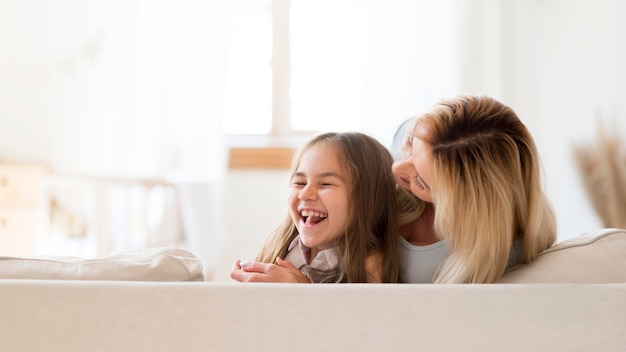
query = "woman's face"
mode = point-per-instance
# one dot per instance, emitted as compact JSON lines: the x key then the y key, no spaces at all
{"x":413,"y":169}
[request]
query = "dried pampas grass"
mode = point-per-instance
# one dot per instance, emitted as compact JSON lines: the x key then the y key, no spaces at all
{"x":602,"y":167}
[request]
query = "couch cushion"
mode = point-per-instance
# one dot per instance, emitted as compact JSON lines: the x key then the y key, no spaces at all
{"x":595,"y":257}
{"x":151,"y":264}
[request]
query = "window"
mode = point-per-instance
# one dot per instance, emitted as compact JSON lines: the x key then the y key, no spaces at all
{"x":295,"y":67}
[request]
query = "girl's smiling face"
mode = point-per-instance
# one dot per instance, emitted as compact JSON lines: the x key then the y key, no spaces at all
{"x":319,"y":197}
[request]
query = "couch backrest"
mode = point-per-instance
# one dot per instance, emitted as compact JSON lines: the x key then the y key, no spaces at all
{"x":595,"y":257}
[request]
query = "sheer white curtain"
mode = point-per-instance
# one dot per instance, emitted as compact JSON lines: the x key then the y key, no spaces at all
{"x":127,"y":89}
{"x":163,"y":63}
{"x":168,"y":61}
{"x":119,"y":87}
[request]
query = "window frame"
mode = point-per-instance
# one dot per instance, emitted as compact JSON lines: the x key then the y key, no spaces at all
{"x":275,"y":149}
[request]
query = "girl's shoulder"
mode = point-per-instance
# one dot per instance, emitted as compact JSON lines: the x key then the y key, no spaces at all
{"x":373,"y":267}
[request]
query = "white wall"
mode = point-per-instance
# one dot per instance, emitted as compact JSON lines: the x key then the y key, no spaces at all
{"x":255,"y":204}
{"x":563,"y":67}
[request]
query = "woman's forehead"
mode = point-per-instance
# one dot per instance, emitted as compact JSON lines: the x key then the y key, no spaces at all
{"x":420,"y":128}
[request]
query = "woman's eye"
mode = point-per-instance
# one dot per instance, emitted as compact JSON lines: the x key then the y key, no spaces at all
{"x":419,"y":184}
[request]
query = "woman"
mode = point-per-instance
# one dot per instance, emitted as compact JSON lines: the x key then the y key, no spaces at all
{"x":475,"y":168}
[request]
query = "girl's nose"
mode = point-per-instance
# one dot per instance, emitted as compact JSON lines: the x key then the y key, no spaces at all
{"x":308,"y":193}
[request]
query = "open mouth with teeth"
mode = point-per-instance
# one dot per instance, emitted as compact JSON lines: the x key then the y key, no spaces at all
{"x":311,"y":217}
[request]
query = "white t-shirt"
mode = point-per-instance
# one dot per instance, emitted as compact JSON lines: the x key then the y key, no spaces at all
{"x":418,"y":264}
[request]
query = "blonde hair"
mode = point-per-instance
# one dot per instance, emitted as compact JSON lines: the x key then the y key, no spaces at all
{"x":373,"y":226}
{"x":488,"y":188}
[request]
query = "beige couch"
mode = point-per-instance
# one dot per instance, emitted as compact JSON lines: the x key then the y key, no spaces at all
{"x":573,"y":298}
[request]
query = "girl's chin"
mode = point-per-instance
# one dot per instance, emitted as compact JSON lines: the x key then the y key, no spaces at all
{"x":313,"y":241}
{"x":309,"y":240}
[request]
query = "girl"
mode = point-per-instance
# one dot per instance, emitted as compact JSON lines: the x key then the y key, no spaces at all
{"x":342,"y":221}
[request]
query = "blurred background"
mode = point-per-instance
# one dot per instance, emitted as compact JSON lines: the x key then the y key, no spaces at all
{"x":118,"y":117}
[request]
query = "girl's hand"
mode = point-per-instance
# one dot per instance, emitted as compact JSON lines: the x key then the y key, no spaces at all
{"x":283,"y":271}
{"x":295,"y":273}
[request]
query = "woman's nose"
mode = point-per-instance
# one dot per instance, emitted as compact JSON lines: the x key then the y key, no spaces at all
{"x":399,"y":165}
